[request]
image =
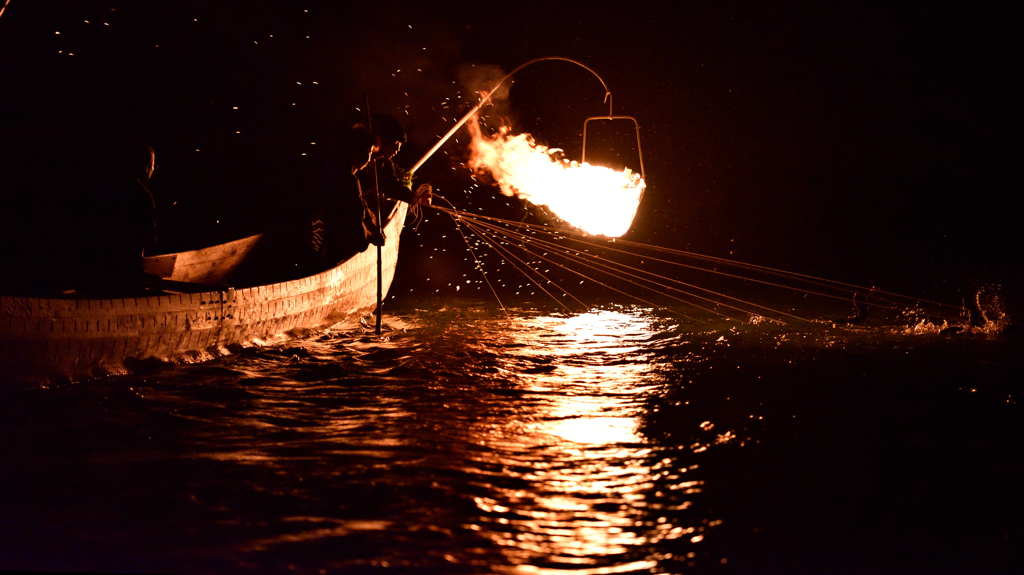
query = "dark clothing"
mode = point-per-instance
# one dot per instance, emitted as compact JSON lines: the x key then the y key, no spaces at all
{"x":390,"y":184}
{"x":337,"y":231}
{"x":123,"y":229}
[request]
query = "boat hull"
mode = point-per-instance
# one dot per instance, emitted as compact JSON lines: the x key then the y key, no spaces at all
{"x":43,"y":338}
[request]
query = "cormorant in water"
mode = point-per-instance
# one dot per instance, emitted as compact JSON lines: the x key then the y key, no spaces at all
{"x":860,"y":313}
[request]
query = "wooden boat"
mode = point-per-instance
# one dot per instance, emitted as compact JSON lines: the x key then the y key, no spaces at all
{"x":43,"y":339}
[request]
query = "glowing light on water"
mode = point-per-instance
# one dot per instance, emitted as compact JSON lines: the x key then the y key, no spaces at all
{"x":596,"y":430}
{"x":577,"y":486}
{"x":595,"y":199}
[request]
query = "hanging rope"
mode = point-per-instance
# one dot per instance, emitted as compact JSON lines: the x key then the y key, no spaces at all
{"x":630,"y":273}
{"x":598,"y":282}
{"x":640,"y":273}
{"x":498,"y":233}
{"x":525,"y":269}
{"x":479,"y":264}
{"x":844,"y":291}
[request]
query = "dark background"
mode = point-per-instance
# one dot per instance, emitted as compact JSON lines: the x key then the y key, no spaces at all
{"x":872,"y":144}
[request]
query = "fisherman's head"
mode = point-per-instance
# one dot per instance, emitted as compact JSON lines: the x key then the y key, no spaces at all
{"x":139,"y":161}
{"x":389,"y":132}
{"x":357,"y":147}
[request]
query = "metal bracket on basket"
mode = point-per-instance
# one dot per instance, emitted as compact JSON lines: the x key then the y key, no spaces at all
{"x":636,"y":126}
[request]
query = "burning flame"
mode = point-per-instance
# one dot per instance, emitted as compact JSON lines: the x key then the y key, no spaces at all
{"x":595,"y":199}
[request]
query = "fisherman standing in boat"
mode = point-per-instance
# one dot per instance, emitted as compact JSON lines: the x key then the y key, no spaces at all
{"x":391,"y":181}
{"x":340,"y":225}
{"x":125,"y":226}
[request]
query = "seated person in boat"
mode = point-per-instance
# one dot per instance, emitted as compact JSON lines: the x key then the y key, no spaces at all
{"x":393,"y":183}
{"x":340,"y":225}
{"x":123,"y":228}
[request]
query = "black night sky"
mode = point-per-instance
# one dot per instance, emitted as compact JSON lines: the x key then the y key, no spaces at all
{"x":871,"y":144}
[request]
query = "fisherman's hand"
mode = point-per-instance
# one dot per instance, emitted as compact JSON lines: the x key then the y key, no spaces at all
{"x":424,"y":195}
{"x":376,"y":236}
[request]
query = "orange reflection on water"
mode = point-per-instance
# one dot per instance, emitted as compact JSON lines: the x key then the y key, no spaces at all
{"x":578,"y":486}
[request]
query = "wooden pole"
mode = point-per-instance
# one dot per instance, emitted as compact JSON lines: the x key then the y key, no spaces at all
{"x":380,"y":256}
{"x":486,"y":97}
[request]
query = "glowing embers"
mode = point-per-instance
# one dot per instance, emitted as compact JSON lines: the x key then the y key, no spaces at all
{"x":595,"y":199}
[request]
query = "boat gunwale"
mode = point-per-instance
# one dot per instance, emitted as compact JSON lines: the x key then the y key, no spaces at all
{"x":76,"y":303}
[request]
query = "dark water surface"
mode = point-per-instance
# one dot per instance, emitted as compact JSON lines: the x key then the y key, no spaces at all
{"x":613,"y":441}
